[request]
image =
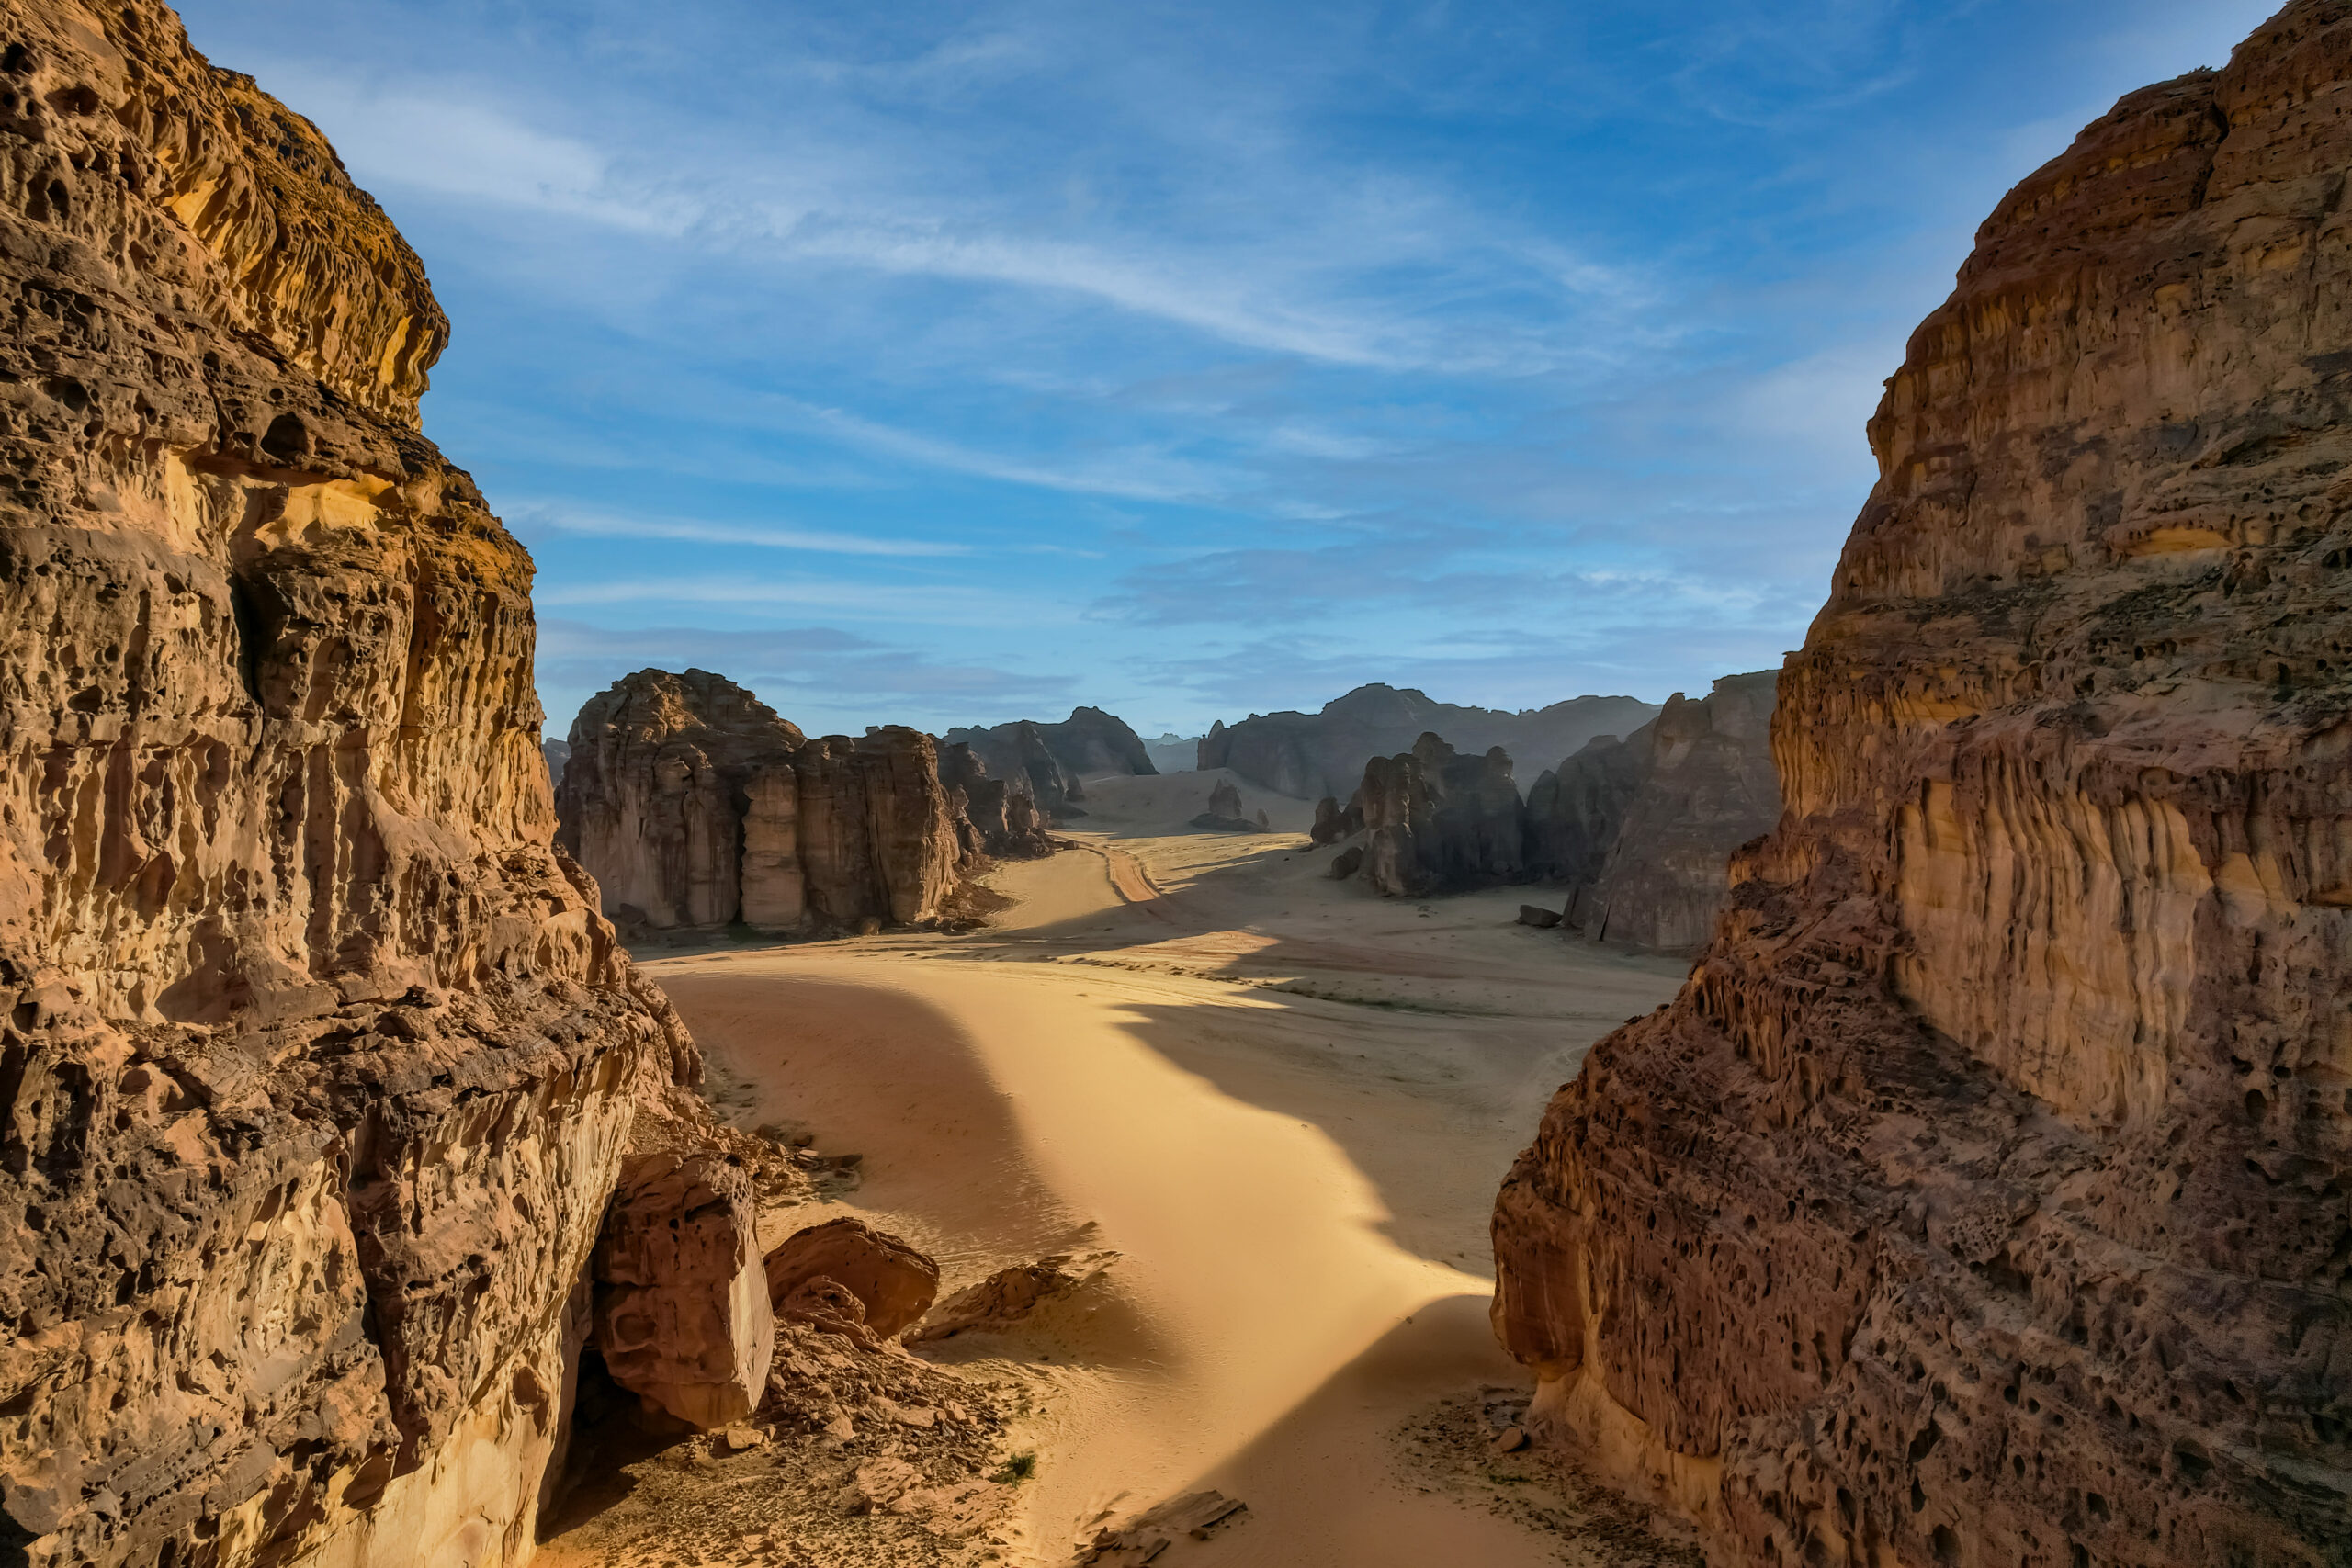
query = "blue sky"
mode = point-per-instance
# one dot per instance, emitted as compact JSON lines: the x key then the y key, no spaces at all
{"x":951,"y":364}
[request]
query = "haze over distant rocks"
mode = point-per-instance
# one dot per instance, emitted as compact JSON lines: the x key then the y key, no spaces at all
{"x":1056,"y":758}
{"x":1982,"y":1196}
{"x":1311,"y":755}
{"x":1640,"y":831}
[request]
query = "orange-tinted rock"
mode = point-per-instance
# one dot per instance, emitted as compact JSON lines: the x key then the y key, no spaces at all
{"x":1435,"y":822}
{"x":316,"y":1061}
{"x":894,"y":1285}
{"x":682,"y":1319}
{"x":1982,"y":1198}
{"x":695,"y":806}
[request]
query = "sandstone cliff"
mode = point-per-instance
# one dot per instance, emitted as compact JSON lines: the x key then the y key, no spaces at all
{"x":695,"y":806}
{"x":995,"y":819}
{"x":1054,"y":759}
{"x":1982,"y":1198}
{"x":1435,"y":822}
{"x":317,"y":1062}
{"x":1312,"y":755}
{"x":1640,"y":830}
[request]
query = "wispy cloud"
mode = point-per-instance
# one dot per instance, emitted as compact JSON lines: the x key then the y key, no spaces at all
{"x":563,"y":517}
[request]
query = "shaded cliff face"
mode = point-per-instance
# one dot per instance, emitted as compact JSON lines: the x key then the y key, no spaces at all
{"x":995,"y":818}
{"x":695,"y":806}
{"x":316,"y":1061}
{"x":1435,"y":822}
{"x":1312,"y":755}
{"x":1050,"y":762}
{"x":1641,"y":829}
{"x":1983,"y":1199}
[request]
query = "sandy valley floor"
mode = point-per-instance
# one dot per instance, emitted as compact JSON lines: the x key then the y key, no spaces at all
{"x":1283,"y":1101}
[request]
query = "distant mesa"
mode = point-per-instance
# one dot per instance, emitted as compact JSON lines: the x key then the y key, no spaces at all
{"x":1057,"y":758}
{"x":695,"y":806}
{"x":1310,"y":755}
{"x":1173,"y":753}
{"x":1638,"y":830}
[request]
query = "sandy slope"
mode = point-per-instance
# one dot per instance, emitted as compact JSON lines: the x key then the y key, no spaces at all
{"x":1286,"y":1102}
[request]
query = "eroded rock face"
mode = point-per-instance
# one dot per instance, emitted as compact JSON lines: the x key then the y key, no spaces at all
{"x":1435,"y":822}
{"x":695,"y":806}
{"x":995,"y":819}
{"x":1313,"y":755}
{"x":1019,"y":755}
{"x":316,"y":1061}
{"x":1983,"y":1197}
{"x":682,"y":1319}
{"x":1640,"y":831}
{"x":1088,"y":741}
{"x":894,"y":1285}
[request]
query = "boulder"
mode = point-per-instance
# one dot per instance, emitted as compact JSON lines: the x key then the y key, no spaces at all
{"x":1225,"y":800}
{"x":1332,"y":824}
{"x":1011,"y":1295}
{"x":1537,"y":916}
{"x":893,"y":1284}
{"x":682,"y":1316}
{"x":1347,"y":863}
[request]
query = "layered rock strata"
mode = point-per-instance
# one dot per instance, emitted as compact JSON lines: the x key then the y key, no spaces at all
{"x":1640,"y":831}
{"x":1313,"y":755}
{"x":316,"y":1061}
{"x":695,"y":806}
{"x":1438,"y":822}
{"x":1982,"y":1198}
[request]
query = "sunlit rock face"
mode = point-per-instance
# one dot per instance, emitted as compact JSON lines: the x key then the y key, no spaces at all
{"x":1983,"y":1197}
{"x":316,"y":1060}
{"x":695,"y":806}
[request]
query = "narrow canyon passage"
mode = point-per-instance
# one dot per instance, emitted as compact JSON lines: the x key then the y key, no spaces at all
{"x":1295,"y":1160}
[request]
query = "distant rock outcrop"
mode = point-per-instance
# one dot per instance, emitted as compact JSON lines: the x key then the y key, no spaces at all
{"x":317,"y":1064}
{"x":556,"y":753}
{"x":1173,"y":753}
{"x":999,"y":821}
{"x":1312,"y":755}
{"x":1436,"y":822}
{"x":1641,"y":830}
{"x":1982,"y":1198}
{"x":695,"y":806}
{"x":1056,"y":758}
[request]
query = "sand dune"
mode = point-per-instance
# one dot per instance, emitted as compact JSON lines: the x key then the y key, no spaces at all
{"x":1284,"y":1102}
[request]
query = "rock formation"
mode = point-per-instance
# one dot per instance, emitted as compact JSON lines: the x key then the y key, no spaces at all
{"x":1312,"y":755}
{"x":556,"y":753}
{"x":1172,"y":753}
{"x":1056,"y":758}
{"x":681,"y":1299}
{"x":1011,"y":1296}
{"x":1436,"y":822}
{"x":1225,"y":800}
{"x":695,"y":806}
{"x":1640,"y":830}
{"x":317,"y":1062}
{"x":893,"y":1284}
{"x":1981,"y":1200}
{"x":997,"y":819}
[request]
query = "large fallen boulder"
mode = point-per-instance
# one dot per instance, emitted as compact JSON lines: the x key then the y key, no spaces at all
{"x":893,"y":1282}
{"x":1011,"y":1295}
{"x":682,"y":1319}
